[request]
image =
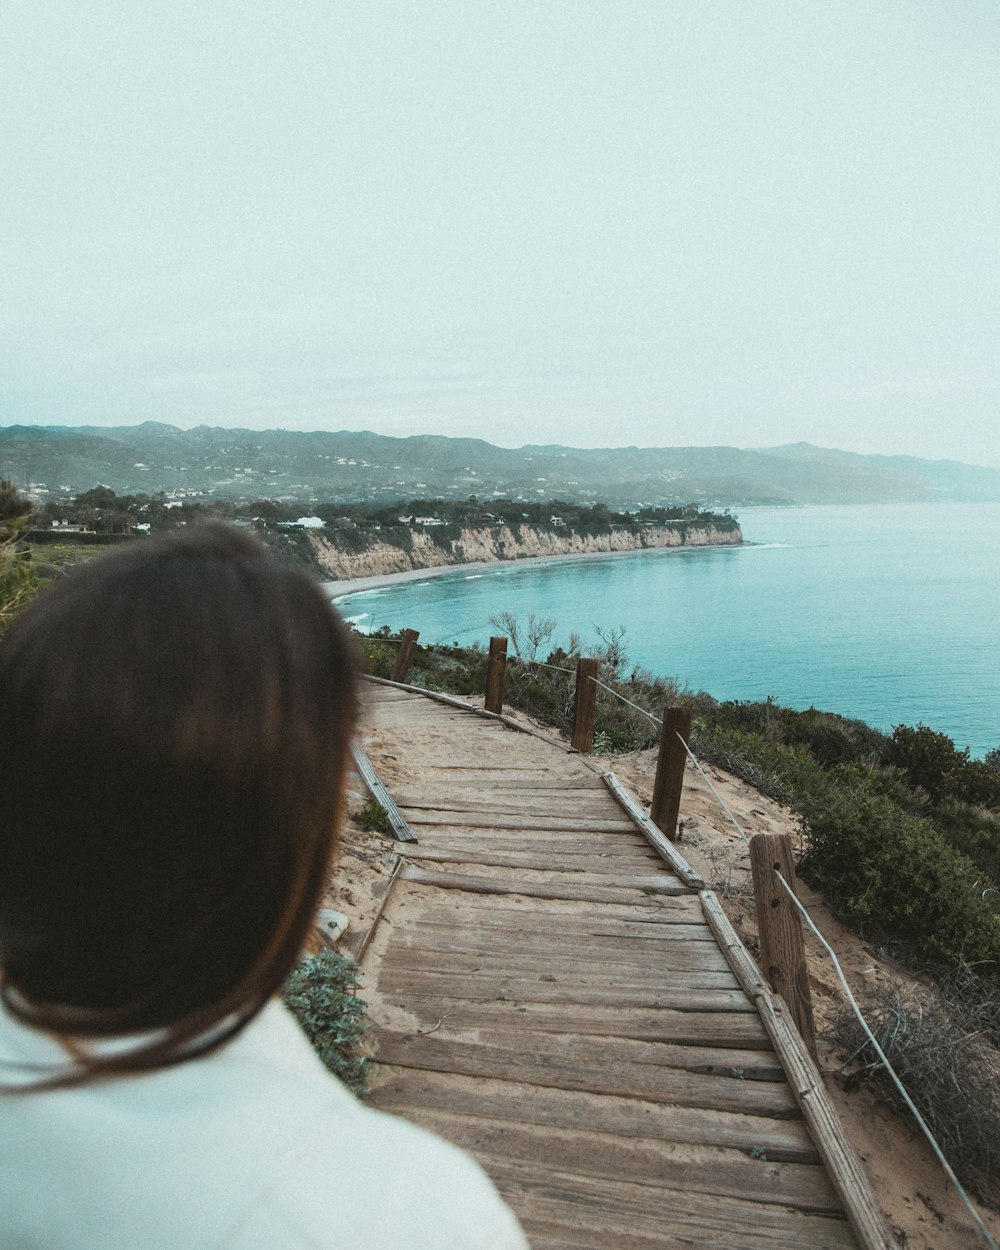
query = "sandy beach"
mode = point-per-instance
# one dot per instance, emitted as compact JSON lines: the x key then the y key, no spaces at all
{"x":352,"y":586}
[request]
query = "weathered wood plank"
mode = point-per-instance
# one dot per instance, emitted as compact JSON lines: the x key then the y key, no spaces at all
{"x":579,"y":963}
{"x":355,"y":941}
{"x":454,"y":784}
{"x":560,"y":946}
{"x":655,"y":837}
{"x":584,"y":804}
{"x":543,"y":925}
{"x":557,"y":841}
{"x":503,"y":820}
{"x":400,"y":829}
{"x":543,"y":885}
{"x":658,"y":911}
{"x":586,"y":1051}
{"x":599,"y":1213}
{"x":521,"y":975}
{"x":665,"y":1165}
{"x":684,"y":993}
{"x":677,"y":1086}
{"x":785,"y":1139}
{"x":543,"y":859}
{"x":736,"y":1029}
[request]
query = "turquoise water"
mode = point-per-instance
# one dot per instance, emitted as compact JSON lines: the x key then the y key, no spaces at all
{"x":889,"y":613}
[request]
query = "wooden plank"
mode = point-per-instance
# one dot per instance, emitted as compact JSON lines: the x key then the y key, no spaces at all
{"x":559,"y":945}
{"x":501,"y":820}
{"x":558,"y":840}
{"x":603,"y":1214}
{"x":684,"y":993}
{"x":355,"y":942}
{"x":546,"y":885}
{"x":676,"y":1086}
{"x":544,"y":925}
{"x":541,"y":858}
{"x":654,"y":836}
{"x":652,"y":912}
{"x":842,"y":1163}
{"x":524,"y":770}
{"x":564,"y":962}
{"x":641,"y":880}
{"x":570,"y":806}
{"x":401,"y":831}
{"x":664,"y":1165}
{"x":593,"y":1053}
{"x":396,"y":1088}
{"x":736,"y":1029}
{"x":548,"y":890}
{"x":511,"y":970}
{"x":467,"y":780}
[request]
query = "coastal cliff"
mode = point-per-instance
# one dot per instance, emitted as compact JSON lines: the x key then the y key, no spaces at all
{"x":352,"y":553}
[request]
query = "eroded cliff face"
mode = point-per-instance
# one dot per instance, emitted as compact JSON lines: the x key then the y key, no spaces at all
{"x":366,"y":554}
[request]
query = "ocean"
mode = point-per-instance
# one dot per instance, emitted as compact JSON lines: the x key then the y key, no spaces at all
{"x":890,"y":614}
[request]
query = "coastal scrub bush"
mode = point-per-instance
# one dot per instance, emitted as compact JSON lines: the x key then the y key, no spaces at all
{"x":932,"y":761}
{"x":888,"y":872}
{"x":320,"y":994}
{"x":884,"y":870}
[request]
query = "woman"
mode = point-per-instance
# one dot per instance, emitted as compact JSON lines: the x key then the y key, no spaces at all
{"x":174,"y":725}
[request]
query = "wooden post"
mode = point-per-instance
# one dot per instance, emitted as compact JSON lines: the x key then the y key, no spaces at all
{"x":670,"y":763}
{"x":405,"y":657}
{"x":782,"y":951}
{"x":585,"y":706}
{"x":495,"y":674}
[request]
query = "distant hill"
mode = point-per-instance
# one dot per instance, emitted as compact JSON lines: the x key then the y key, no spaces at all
{"x":355,"y":466}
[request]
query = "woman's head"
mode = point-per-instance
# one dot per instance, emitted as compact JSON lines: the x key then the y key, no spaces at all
{"x":174,"y":723}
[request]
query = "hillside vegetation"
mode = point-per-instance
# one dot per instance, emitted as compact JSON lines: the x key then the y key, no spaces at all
{"x":317,"y":465}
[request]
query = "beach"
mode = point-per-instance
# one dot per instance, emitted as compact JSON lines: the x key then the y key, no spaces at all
{"x":357,"y":585}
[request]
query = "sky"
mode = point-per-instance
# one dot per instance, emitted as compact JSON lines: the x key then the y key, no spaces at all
{"x":592,"y":222}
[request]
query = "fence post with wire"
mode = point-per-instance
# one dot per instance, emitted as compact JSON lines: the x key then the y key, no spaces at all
{"x":495,"y":674}
{"x":782,"y":948}
{"x":670,"y":762}
{"x":407,"y":649}
{"x":585,"y":705}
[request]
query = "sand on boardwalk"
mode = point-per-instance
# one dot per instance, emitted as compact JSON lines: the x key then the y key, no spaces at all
{"x":910,"y":1185}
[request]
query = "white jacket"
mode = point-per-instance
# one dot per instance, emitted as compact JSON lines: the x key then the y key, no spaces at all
{"x":254,"y":1147}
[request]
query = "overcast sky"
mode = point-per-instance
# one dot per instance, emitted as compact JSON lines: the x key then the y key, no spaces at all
{"x":595,"y":222}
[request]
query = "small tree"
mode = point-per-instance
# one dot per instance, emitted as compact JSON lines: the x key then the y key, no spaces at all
{"x":17,"y":579}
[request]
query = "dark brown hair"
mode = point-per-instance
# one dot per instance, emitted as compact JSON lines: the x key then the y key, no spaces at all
{"x":174,"y":725}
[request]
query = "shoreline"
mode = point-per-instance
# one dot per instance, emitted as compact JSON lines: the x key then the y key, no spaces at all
{"x":359,"y":585}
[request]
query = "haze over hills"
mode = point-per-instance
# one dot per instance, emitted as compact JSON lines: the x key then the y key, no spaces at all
{"x":291,"y":465}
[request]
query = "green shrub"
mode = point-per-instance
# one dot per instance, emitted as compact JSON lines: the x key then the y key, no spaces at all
{"x":888,"y":872}
{"x":320,"y":994}
{"x":884,"y":870}
{"x":373,"y":816}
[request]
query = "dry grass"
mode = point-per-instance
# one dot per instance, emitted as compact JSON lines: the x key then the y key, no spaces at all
{"x":942,"y":1049}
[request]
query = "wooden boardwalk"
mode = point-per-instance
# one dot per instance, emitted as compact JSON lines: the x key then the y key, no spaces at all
{"x":550,"y":995}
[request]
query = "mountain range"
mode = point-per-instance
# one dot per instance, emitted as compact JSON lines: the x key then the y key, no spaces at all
{"x":52,"y":461}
